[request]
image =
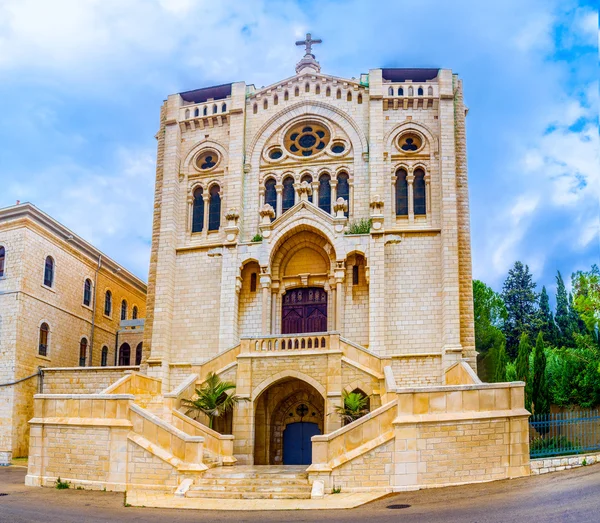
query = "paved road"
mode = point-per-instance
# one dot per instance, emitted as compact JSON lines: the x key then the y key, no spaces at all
{"x":569,"y":496}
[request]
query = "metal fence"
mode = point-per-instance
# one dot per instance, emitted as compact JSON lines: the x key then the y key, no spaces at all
{"x":563,"y":433}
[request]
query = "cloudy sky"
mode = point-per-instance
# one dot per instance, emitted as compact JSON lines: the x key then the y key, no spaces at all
{"x":81,"y":82}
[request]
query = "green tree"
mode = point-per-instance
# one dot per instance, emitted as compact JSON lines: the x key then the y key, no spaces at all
{"x":562,"y":317}
{"x":212,"y":399}
{"x":521,"y":301}
{"x":490,"y":314}
{"x":354,"y":406}
{"x":586,"y":299}
{"x":546,"y":318}
{"x":540,"y":393}
{"x":522,"y":367}
{"x":498,"y":363}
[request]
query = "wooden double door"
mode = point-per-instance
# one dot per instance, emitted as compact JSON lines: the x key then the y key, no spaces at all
{"x":304,"y":310}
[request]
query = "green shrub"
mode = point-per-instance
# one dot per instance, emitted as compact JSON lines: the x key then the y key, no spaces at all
{"x":61,"y":485}
{"x":360,"y":227}
{"x":257,"y":238}
{"x":336,"y":490}
{"x":553,"y":445}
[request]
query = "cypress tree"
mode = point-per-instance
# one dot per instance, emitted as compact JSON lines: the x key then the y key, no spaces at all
{"x":562,"y":317}
{"x":546,"y":318}
{"x":521,"y":302}
{"x":522,"y":367}
{"x":501,"y":360}
{"x":540,"y":395}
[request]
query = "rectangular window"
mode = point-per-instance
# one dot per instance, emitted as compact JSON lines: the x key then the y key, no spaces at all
{"x":355,"y":275}
{"x":253,"y":279}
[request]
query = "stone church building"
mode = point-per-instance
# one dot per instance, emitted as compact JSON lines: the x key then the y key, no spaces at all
{"x":309,"y":237}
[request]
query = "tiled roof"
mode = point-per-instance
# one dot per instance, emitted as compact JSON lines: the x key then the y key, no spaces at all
{"x":217,"y":92}
{"x":416,"y":75}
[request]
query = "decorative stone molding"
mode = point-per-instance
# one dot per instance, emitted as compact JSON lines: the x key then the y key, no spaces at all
{"x":232,"y":230}
{"x":304,"y":190}
{"x":340,"y":207}
{"x":377,"y":213}
{"x":267,"y":213}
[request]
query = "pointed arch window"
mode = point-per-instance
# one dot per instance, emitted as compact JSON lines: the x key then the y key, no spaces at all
{"x":87,"y":292}
{"x":420,"y":206}
{"x":343,"y":188}
{"x":286,"y":96}
{"x":359,"y":98}
{"x":2,"y":260}
{"x":104,"y":357}
{"x":308,"y":179}
{"x":214,"y":209}
{"x":271,"y":194}
{"x":265,"y":104}
{"x":307,"y":88}
{"x":196,"y":112}
{"x":205,"y":111}
{"x":83,"y":344}
{"x":297,"y":92}
{"x":325,"y":193}
{"x":275,"y":100}
{"x":134,"y":313}
{"x":338,"y":95}
{"x":349,"y":96}
{"x":328,"y":91}
{"x":318,"y":89}
{"x":289,"y":194}
{"x":43,"y":343}
{"x":224,"y":108}
{"x":138,"y":353}
{"x":255,"y":108}
{"x":49,"y":272}
{"x":198,"y":210}
{"x":123,"y":310}
{"x":108,"y":303}
{"x":401,"y":193}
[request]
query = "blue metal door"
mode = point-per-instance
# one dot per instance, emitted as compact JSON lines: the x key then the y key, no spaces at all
{"x":297,"y":447}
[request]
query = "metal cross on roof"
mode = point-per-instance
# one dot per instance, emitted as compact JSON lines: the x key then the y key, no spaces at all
{"x":308,"y":43}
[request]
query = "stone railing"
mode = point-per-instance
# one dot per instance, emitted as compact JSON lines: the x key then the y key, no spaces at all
{"x":291,"y":342}
{"x":81,"y":380}
{"x":135,"y":383}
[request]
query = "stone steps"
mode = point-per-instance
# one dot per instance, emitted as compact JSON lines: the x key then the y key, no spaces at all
{"x":247,"y":495}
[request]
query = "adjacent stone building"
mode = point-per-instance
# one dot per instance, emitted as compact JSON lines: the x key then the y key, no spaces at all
{"x":62,"y":303}
{"x":310,"y":238}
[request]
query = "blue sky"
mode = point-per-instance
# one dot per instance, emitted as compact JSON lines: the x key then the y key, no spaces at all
{"x":81,"y":82}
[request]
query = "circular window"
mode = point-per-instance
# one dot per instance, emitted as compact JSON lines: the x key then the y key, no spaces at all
{"x":307,"y":139}
{"x":338,"y":148}
{"x":207,"y":160}
{"x":410,"y":143}
{"x":275,"y":154}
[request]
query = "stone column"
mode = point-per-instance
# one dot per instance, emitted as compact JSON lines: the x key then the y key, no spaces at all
{"x":265,"y":283}
{"x":279,"y":210}
{"x":377,"y":304}
{"x":428,"y":197}
{"x":229,"y":303}
{"x":340,"y":272}
{"x":315,"y":188}
{"x":190,"y":213}
{"x":206,"y":198}
{"x":333,"y":185}
{"x":411,"y":201}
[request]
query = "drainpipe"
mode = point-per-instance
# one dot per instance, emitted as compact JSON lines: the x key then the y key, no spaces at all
{"x":94,"y":310}
{"x":116,"y":348}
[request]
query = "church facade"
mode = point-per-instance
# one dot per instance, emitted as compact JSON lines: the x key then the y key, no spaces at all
{"x":311,"y":238}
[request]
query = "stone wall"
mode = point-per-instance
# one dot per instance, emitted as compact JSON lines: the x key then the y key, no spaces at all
{"x":412,"y":371}
{"x":77,"y":380}
{"x":555,"y":464}
{"x":372,"y":470}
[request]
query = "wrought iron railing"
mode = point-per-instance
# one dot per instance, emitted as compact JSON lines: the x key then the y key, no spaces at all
{"x":564,"y":433}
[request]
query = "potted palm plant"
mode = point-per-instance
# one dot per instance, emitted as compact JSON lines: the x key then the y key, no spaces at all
{"x":212,"y":399}
{"x":355,"y":406}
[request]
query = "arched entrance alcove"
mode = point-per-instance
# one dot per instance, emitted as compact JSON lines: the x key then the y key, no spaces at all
{"x":286,"y":415}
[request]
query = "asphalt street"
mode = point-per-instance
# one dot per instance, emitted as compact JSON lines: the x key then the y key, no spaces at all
{"x":568,"y":496}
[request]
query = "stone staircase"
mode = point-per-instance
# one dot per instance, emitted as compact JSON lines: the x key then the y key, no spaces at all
{"x":252,"y":482}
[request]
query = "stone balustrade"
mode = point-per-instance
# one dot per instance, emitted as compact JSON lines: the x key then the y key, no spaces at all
{"x":291,"y":342}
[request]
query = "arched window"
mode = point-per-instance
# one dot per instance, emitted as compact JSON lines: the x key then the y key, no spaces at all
{"x":430,"y":91}
{"x":253,"y":282}
{"x":197,"y":112}
{"x":224,"y":108}
{"x":271,"y":193}
{"x":43,"y":345}
{"x":359,"y":98}
{"x":82,"y":351}
{"x":308,"y":179}
{"x":205,"y":110}
{"x":297,"y":92}
{"x":214,"y":108}
{"x":328,"y":92}
{"x":265,"y":104}
{"x":420,"y":206}
{"x":214,"y":209}
{"x":138,"y":354}
{"x":318,"y":89}
{"x":275,"y":100}
{"x":104,"y":356}
{"x":338,"y":95}
{"x":410,"y":91}
{"x":420,"y":91}
{"x":49,"y":272}
{"x":134,"y":313}
{"x":108,"y":303}
{"x":307,"y":88}
{"x":286,"y":96}
{"x":255,"y":108}
{"x":123,"y":310}
{"x":187,"y":113}
{"x":325,"y":193}
{"x":400,"y":91}
{"x":391,"y":91}
{"x":289,"y":194}
{"x":2,"y":260}
{"x":349,"y":96}
{"x":198,"y":211}
{"x":401,"y":193}
{"x":87,"y":292}
{"x":343,"y":188}
{"x":125,"y":355}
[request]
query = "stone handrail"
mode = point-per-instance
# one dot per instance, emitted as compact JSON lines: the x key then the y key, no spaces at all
{"x":219,"y":445}
{"x":331,"y":450}
{"x":186,"y":448}
{"x":185,"y":390}
{"x":291,"y":342}
{"x":47,"y":407}
{"x":135,"y":383}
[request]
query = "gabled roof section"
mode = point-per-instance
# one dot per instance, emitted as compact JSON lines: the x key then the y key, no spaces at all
{"x":217,"y":92}
{"x":403,"y":74}
{"x":252,"y":91}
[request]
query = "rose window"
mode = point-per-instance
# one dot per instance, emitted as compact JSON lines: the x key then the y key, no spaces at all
{"x":410,"y":143}
{"x":307,"y":139}
{"x":207,"y":160}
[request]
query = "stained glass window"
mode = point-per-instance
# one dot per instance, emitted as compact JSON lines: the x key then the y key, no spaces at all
{"x":49,"y":272}
{"x":198,"y":211}
{"x":87,"y":292}
{"x":289,"y":194}
{"x":325,"y":193}
{"x":214,"y":209}
{"x":43,"y":346}
{"x":401,"y":193}
{"x":419,"y":193}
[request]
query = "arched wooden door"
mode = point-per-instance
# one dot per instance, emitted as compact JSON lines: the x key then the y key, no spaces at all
{"x":304,"y":310}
